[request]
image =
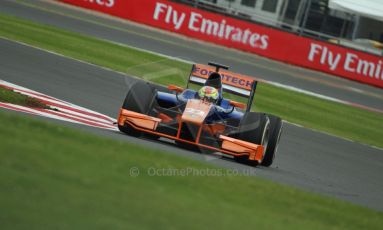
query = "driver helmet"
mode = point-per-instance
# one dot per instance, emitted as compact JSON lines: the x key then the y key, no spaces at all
{"x":208,"y":93}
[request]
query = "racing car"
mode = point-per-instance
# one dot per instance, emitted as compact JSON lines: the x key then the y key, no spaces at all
{"x":204,"y":119}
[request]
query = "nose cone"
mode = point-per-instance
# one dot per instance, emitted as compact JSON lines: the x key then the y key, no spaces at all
{"x":196,"y":111}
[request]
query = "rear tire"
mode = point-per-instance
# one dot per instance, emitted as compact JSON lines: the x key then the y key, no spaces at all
{"x":253,"y":128}
{"x":275,"y":134}
{"x":139,"y":98}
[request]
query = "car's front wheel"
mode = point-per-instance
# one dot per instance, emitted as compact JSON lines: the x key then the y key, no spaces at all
{"x":275,"y":135}
{"x":139,"y":98}
{"x":254,"y":128}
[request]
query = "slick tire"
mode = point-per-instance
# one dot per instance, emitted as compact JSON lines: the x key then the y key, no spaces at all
{"x":254,"y":128}
{"x":274,"y":137}
{"x":139,"y":98}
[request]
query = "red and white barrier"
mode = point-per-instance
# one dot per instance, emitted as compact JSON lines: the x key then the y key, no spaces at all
{"x":230,"y":32}
{"x":60,"y":110}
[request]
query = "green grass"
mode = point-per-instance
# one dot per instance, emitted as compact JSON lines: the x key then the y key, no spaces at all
{"x":345,"y":121}
{"x":76,"y":180}
{"x":10,"y":96}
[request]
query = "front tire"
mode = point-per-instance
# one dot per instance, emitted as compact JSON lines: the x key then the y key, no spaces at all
{"x":139,"y":98}
{"x":254,"y":128}
{"x":275,"y":135}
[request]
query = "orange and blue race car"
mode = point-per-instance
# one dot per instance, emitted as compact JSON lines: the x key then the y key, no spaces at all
{"x":203,"y":118}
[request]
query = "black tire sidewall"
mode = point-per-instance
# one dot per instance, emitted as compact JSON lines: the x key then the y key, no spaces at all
{"x":276,"y":125}
{"x":253,"y":128}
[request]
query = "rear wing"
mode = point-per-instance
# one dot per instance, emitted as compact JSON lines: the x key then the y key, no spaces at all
{"x":233,"y":83}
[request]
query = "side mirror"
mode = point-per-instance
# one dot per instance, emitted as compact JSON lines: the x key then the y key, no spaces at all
{"x":175,"y":88}
{"x":238,"y":104}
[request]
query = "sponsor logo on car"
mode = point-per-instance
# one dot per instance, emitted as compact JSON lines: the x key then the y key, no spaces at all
{"x":194,"y":112}
{"x":227,"y":77}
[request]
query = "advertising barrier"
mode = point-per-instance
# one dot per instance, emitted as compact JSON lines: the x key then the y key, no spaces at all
{"x":246,"y":36}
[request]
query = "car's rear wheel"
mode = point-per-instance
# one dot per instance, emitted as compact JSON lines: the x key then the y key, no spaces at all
{"x":254,"y":128}
{"x":275,"y":135}
{"x":139,"y":98}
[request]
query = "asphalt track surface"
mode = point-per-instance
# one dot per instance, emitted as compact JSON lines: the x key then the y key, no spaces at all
{"x":112,"y":29}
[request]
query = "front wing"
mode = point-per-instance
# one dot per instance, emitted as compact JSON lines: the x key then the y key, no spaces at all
{"x":227,"y":145}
